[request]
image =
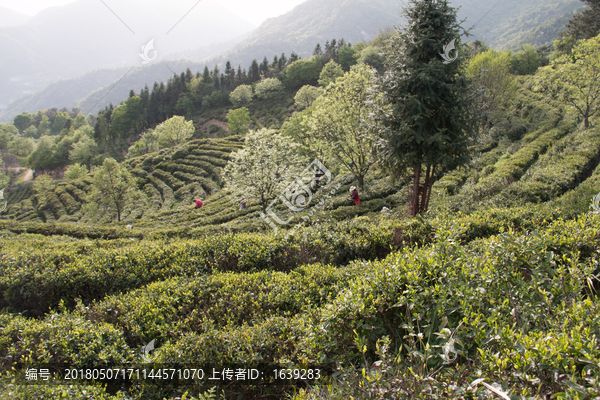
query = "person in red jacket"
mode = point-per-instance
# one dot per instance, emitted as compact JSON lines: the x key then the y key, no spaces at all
{"x":199,"y":203}
{"x":354,"y":196}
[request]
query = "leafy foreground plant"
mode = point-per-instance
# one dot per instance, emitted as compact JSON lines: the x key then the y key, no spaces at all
{"x":511,"y":315}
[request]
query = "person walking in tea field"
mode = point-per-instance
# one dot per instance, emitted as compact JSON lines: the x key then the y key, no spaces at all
{"x":199,"y":203}
{"x":354,"y":196}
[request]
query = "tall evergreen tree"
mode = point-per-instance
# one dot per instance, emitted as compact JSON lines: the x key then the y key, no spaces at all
{"x":239,"y":78}
{"x":216,"y":75}
{"x":153,"y":105}
{"x":295,"y":57}
{"x":428,"y":116}
{"x":107,"y":114}
{"x":254,"y":72}
{"x":229,"y":75}
{"x":330,"y":50}
{"x":145,"y":96}
{"x":206,"y":74}
{"x":583,"y":25}
{"x":586,"y":24}
{"x":188,"y":75}
{"x":264,"y":67}
{"x":161,"y":102}
{"x":282,"y":62}
{"x":102,"y":128}
{"x":317,"y":51}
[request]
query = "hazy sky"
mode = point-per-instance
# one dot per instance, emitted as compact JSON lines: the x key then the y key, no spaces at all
{"x":253,"y":11}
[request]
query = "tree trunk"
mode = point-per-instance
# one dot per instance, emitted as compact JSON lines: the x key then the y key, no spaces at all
{"x":425,"y":190}
{"x":417,"y":176}
{"x":429,"y":190}
{"x":361,"y":180}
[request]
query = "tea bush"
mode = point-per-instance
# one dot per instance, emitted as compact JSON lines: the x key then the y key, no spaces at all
{"x":37,"y":280}
{"x":517,"y":311}
{"x":174,"y":307}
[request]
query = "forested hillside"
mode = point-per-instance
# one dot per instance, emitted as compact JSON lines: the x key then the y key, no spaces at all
{"x":382,"y":220}
{"x":505,"y":25}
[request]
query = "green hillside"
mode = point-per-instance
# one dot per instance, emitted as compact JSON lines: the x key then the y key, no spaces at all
{"x":173,"y":179}
{"x":510,"y":24}
{"x":488,"y":288}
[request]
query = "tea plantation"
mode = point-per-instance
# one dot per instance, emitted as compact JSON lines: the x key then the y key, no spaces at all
{"x":493,"y":292}
{"x":486,"y":289}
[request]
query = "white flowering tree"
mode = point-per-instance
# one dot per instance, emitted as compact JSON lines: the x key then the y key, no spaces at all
{"x":263,"y":168}
{"x":174,"y":131}
{"x":241,"y":96}
{"x":268,"y":88}
{"x":340,"y":124}
{"x":306,"y":95}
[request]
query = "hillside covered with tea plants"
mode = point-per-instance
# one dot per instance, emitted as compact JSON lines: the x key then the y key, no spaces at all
{"x":469,"y":269}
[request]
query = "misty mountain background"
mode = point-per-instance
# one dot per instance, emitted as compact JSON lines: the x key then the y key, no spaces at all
{"x":68,"y":41}
{"x":92,"y":39}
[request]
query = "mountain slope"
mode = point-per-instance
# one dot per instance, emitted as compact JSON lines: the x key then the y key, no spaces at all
{"x":554,"y":160}
{"x":96,"y":89}
{"x":508,"y":24}
{"x":64,"y":93}
{"x":9,"y":17}
{"x":63,"y":42}
{"x":316,"y":21}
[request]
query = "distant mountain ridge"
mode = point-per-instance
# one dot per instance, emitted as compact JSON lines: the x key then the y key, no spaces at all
{"x":500,"y":24}
{"x":315,"y":21}
{"x":68,"y":41}
{"x":9,"y":17}
{"x":507,"y":24}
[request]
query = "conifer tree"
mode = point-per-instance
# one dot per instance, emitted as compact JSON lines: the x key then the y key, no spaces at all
{"x":229,"y":75}
{"x":239,"y":79}
{"x":282,"y":62}
{"x":254,"y":72}
{"x":188,"y":75}
{"x":264,"y":67}
{"x":206,"y":74}
{"x":317,"y":51}
{"x":428,"y":116}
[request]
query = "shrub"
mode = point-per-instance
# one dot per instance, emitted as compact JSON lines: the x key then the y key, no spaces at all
{"x":306,"y":96}
{"x":269,"y":88}
{"x":302,"y":72}
{"x":241,"y":96}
